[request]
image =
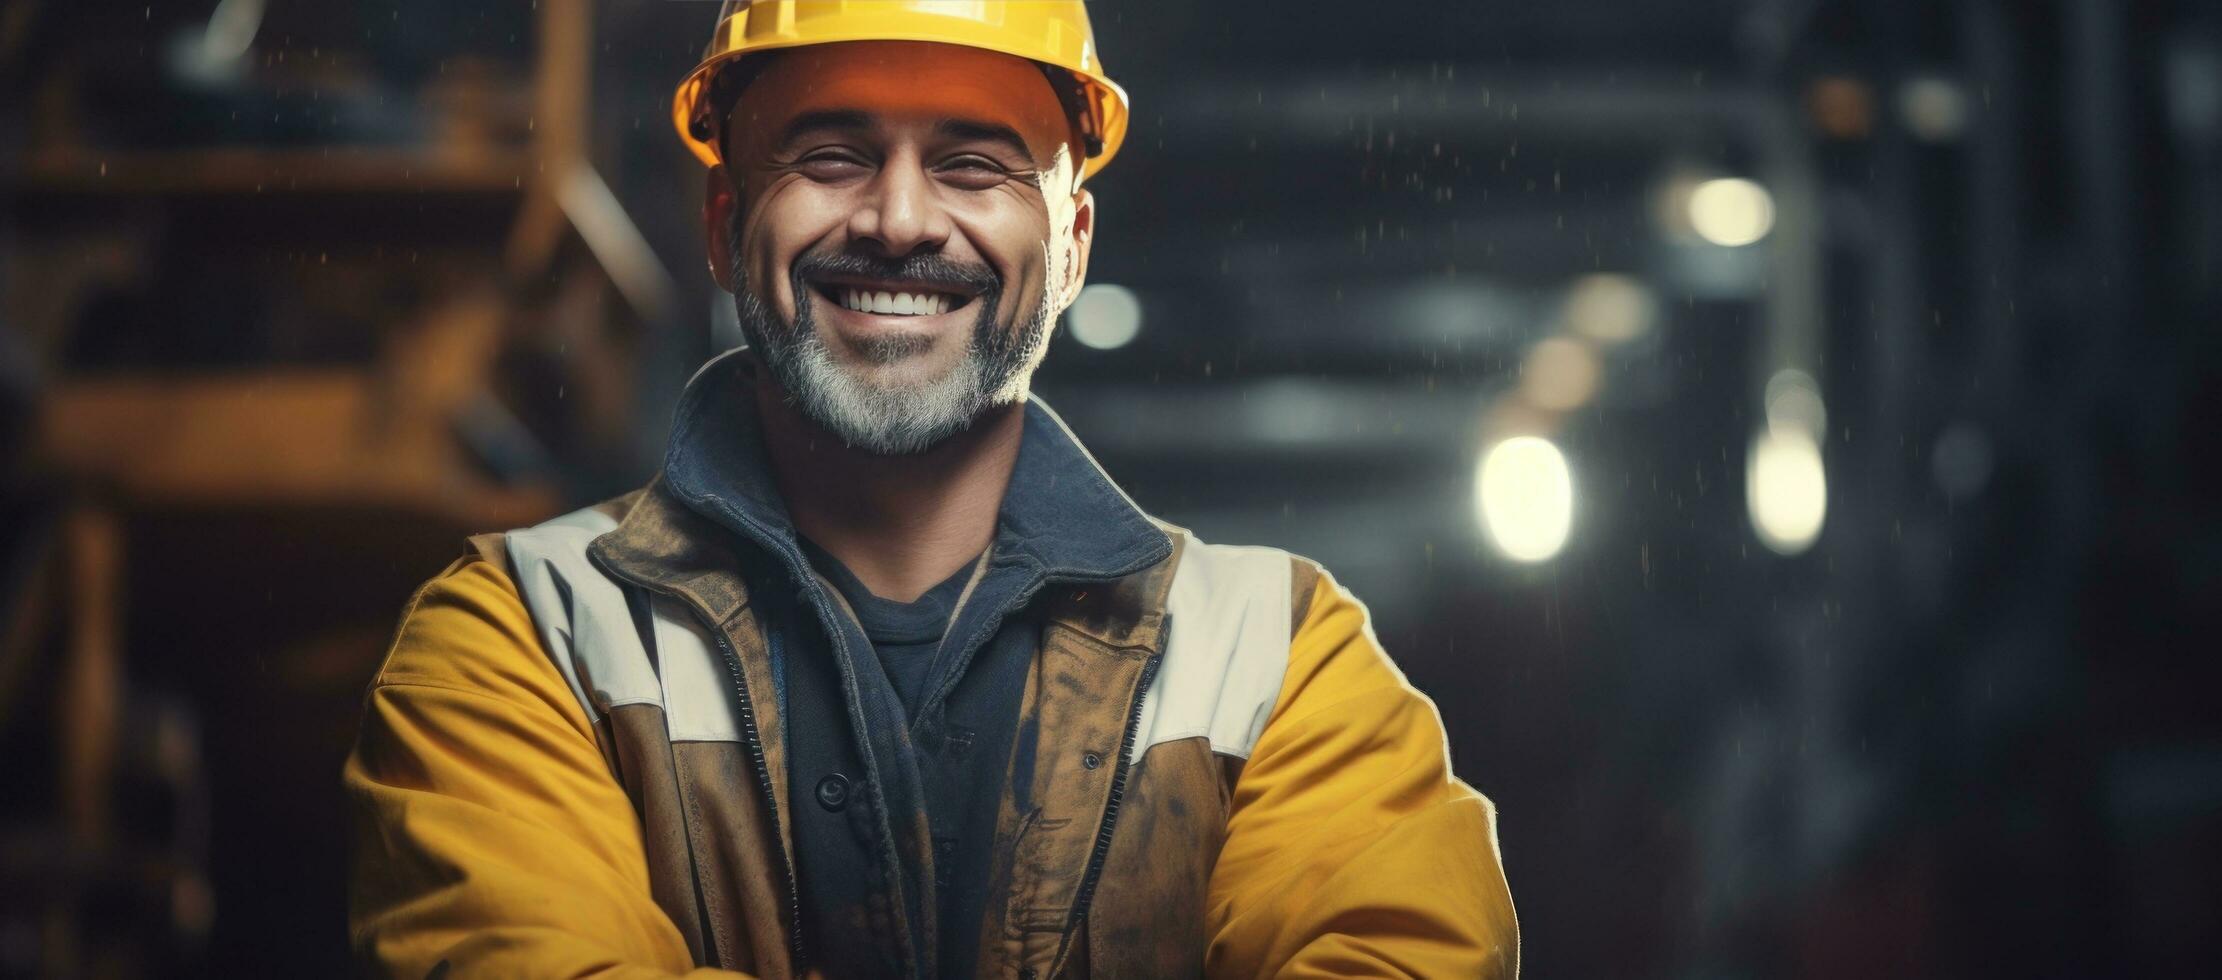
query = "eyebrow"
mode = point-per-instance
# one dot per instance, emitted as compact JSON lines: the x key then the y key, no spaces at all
{"x":844,"y":119}
{"x":971,"y":131}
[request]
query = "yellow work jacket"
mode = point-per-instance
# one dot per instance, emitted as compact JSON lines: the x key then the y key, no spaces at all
{"x":543,"y":789}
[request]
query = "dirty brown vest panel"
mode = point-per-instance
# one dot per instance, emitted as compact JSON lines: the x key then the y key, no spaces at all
{"x":1147,"y":919}
{"x":1068,"y":766}
{"x":719,"y":857}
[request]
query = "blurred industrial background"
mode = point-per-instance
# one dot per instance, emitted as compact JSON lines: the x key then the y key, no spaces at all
{"x":1770,"y":429}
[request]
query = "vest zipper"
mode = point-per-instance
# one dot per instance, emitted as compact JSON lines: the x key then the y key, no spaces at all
{"x":771,"y":802}
{"x":753,"y":738}
{"x":809,"y":581}
{"x":1119,"y":773}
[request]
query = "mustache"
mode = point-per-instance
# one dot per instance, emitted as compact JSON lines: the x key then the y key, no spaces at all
{"x":930,"y":268}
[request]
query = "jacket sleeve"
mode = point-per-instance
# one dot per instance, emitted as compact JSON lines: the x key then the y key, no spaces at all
{"x":490,"y":839}
{"x":1351,"y":849}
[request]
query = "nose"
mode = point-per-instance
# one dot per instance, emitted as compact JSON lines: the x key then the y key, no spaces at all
{"x":901,"y":212}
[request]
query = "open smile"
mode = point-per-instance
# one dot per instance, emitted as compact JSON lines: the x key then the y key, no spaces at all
{"x":888,"y":298}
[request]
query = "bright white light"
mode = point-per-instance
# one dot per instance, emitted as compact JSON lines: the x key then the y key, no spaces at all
{"x":1731,"y":211}
{"x":1525,"y":498}
{"x":1609,"y":308}
{"x":1560,"y":374}
{"x":1786,"y":489}
{"x":1105,"y":316}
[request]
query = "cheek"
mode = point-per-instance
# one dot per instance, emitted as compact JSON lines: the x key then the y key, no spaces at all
{"x":1018,"y":241}
{"x":787,"y":220}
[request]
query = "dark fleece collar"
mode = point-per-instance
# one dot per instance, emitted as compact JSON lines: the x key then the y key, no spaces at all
{"x":1060,"y":514}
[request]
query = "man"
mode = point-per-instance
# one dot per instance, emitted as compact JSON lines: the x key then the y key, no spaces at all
{"x":882,"y":675}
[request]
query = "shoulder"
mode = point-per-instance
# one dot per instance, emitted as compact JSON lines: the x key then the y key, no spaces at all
{"x":1216,"y":579}
{"x":454,"y":619}
{"x":549,"y":564}
{"x":1263,"y":623}
{"x":559,"y":540}
{"x":1234,"y":611}
{"x":465,"y":647}
{"x":1335,"y":657}
{"x":1285,"y":615}
{"x":613,"y":644}
{"x":472,"y":628}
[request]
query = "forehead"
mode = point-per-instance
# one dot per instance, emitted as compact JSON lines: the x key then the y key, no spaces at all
{"x":906,"y":81}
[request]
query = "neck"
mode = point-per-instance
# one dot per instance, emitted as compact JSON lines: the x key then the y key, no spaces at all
{"x":901,"y":524}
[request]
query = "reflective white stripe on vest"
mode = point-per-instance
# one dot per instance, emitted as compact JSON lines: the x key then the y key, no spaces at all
{"x":581,"y":615}
{"x":1219,"y":679}
{"x":588,"y":628}
{"x":1228,"y":651}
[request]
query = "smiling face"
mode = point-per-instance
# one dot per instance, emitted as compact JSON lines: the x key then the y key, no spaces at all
{"x":899,"y":225}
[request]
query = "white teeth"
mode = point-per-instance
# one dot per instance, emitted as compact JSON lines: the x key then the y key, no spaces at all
{"x":896,"y":304}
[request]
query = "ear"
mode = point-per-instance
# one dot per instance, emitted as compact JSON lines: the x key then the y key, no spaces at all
{"x":721,"y":203}
{"x":1077,"y":245}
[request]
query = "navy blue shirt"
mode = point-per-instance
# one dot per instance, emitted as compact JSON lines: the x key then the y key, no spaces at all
{"x":960,"y":747}
{"x":905,"y":635}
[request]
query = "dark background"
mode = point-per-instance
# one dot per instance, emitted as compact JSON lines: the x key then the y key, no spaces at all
{"x":295,"y":295}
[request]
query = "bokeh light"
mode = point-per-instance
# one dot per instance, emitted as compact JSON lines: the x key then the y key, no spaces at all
{"x":1786,"y":489}
{"x":1105,"y":316}
{"x":1560,"y":374}
{"x":1524,"y":496}
{"x":1793,"y":401}
{"x":1731,"y":211}
{"x":1610,"y":308}
{"x":1935,"y":109}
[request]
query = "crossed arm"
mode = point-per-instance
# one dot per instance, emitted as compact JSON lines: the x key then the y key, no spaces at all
{"x":1399,"y":873}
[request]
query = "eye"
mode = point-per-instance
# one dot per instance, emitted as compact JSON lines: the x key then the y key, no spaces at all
{"x":972,"y":172}
{"x":832,"y":166}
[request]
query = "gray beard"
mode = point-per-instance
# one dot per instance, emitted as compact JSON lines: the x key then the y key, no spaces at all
{"x":892,"y":419}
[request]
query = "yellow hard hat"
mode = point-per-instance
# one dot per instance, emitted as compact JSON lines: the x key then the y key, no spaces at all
{"x":1054,"y":33}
